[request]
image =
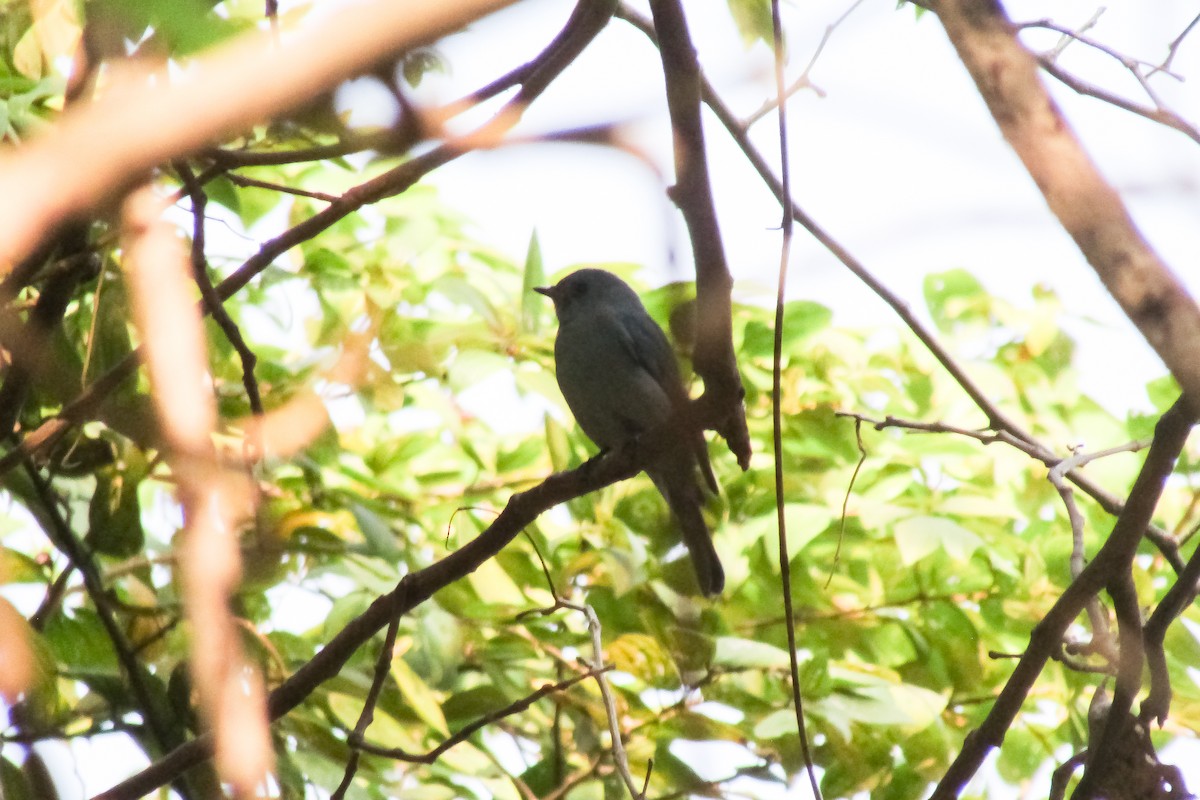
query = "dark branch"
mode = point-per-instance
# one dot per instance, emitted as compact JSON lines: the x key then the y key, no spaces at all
{"x":714,"y":359}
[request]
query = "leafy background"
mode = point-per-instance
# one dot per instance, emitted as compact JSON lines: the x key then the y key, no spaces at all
{"x":920,"y":561}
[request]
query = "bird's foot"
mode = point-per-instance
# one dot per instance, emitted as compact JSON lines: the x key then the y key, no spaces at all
{"x":588,"y":468}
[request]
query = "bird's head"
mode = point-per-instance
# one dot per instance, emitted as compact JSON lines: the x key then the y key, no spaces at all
{"x":588,"y":290}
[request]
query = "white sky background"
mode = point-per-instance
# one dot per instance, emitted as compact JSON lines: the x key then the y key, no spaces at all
{"x":900,"y":161}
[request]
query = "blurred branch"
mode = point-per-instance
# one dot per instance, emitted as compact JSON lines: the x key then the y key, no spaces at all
{"x":388,"y":139}
{"x":1132,"y":64}
{"x":215,"y":500}
{"x":1160,"y":115}
{"x":143,"y":119}
{"x":28,"y":341}
{"x":1088,"y":208}
{"x":242,"y":180}
{"x":1107,"y":570}
{"x":156,"y":715}
{"x":713,"y":356}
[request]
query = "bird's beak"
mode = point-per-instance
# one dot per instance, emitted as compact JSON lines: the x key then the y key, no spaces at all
{"x":546,"y":290}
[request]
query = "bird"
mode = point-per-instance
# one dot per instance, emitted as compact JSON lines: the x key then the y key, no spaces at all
{"x":618,"y":374}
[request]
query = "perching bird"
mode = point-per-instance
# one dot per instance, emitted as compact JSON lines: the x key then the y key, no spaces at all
{"x":619,"y":376}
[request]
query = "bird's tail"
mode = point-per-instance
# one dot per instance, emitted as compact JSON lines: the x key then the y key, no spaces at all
{"x":683,"y":495}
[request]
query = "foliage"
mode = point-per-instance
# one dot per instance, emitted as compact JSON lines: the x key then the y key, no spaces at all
{"x":920,"y":561}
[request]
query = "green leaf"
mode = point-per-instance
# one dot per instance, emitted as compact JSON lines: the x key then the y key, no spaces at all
{"x":802,"y":319}
{"x":805,"y":522}
{"x":424,"y":702}
{"x":643,"y":657}
{"x":114,"y":515}
{"x":901,"y":704}
{"x":534,"y":275}
{"x":420,"y":62}
{"x":738,"y":653}
{"x":13,"y":782}
{"x":79,"y":643}
{"x":955,"y":296}
{"x":918,"y":537}
{"x":379,"y":535}
{"x":753,"y":19}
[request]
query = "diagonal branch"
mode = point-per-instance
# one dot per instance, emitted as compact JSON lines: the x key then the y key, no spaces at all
{"x":415,"y":588}
{"x":1089,"y":209}
{"x":212,"y":303}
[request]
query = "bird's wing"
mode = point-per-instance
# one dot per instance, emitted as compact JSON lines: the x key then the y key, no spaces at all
{"x":654,"y":353}
{"x":658,"y":359}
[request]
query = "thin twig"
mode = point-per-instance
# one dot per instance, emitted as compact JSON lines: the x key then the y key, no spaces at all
{"x":383,"y":663}
{"x":802,"y":82}
{"x":1101,"y":641}
{"x":1173,"y":47}
{"x":242,"y":180}
{"x":785,"y":251}
{"x":400,"y":754}
{"x":1160,"y":115}
{"x":212,"y":301}
{"x":620,"y":758}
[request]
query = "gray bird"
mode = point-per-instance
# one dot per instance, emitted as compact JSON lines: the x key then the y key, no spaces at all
{"x":618,"y":374}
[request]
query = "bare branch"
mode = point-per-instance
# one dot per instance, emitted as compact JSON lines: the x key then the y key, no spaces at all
{"x":212,"y":303}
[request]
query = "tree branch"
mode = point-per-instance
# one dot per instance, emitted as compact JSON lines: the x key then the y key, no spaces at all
{"x":713,"y":358}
